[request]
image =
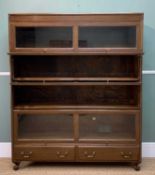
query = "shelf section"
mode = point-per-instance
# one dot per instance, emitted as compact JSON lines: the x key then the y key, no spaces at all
{"x":86,"y":95}
{"x":72,"y":68}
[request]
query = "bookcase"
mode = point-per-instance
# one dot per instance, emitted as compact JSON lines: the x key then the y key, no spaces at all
{"x":76,"y":87}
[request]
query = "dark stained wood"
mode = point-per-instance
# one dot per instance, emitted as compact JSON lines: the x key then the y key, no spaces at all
{"x":74,"y":21}
{"x":119,"y":95}
{"x":75,"y":83}
{"x":76,"y":127}
{"x":106,"y":153}
{"x":111,"y":17}
{"x":58,"y":153}
{"x":72,"y":68}
{"x":69,"y":52}
{"x":72,"y":101}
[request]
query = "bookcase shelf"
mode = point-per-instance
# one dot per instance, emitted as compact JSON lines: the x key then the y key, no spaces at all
{"x":76,"y":87}
{"x":72,"y":68}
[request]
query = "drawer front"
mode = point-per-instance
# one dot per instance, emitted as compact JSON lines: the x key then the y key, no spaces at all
{"x":108,"y":154}
{"x":44,"y":153}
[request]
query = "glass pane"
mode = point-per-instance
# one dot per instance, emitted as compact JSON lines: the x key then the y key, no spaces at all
{"x":43,"y":37}
{"x":107,"y":126}
{"x":76,"y":66}
{"x":39,"y":126}
{"x":107,"y":36}
{"x":106,"y":95}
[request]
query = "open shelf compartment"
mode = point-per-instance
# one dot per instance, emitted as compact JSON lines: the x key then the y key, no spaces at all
{"x":79,"y":95}
{"x":79,"y":67}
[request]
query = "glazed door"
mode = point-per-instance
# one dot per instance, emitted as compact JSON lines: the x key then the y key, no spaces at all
{"x":112,"y":38}
{"x":37,"y":126}
{"x":41,"y":38}
{"x":109,"y":127}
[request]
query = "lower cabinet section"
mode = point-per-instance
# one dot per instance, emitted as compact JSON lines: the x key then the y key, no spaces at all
{"x":93,"y":126}
{"x":78,"y":154}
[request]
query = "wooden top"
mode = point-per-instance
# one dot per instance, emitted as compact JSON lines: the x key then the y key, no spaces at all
{"x":74,"y":14}
{"x":76,"y":17}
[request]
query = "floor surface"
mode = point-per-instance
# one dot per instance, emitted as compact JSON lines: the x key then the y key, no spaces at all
{"x":6,"y":168}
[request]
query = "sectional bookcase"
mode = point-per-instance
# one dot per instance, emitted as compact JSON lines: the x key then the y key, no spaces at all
{"x":76,"y":87}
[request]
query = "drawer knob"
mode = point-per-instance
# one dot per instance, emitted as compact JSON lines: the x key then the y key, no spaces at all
{"x":92,"y":155}
{"x":44,"y":50}
{"x":30,"y":152}
{"x":22,"y":152}
{"x":26,"y":155}
{"x":62,"y":155}
{"x":126,"y":155}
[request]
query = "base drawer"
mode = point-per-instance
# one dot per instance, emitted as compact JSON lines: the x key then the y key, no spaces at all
{"x":105,"y":154}
{"x":44,"y":153}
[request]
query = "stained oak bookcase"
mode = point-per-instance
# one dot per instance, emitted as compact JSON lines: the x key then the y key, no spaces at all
{"x":76,"y":87}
